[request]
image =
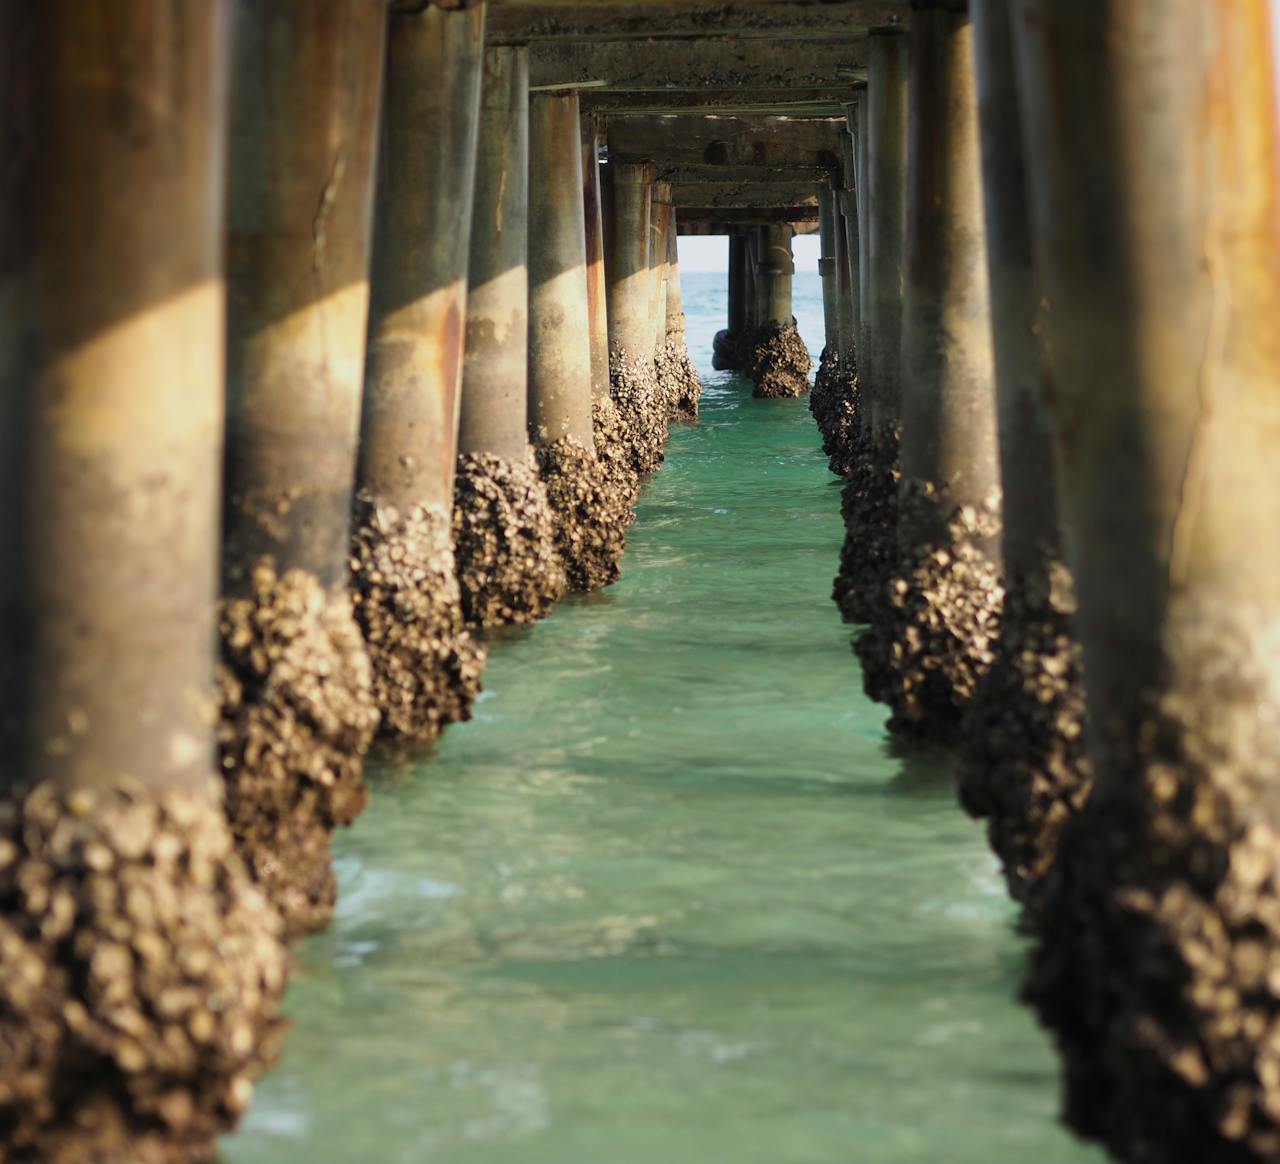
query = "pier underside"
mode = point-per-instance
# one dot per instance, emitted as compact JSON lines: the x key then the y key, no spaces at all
{"x":427,"y":584}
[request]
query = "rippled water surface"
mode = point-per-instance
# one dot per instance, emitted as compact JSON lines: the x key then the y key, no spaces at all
{"x":672,"y":898}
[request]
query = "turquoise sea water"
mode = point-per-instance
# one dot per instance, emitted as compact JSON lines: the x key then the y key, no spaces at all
{"x":673,"y":897}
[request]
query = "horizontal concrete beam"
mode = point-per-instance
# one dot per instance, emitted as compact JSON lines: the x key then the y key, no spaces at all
{"x":687,"y":65}
{"x":708,"y":220}
{"x":745,"y":195}
{"x":598,"y":20}
{"x":791,"y":175}
{"x":817,"y":103}
{"x":725,"y":141}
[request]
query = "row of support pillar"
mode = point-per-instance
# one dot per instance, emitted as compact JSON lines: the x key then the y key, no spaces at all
{"x":1055,"y":439}
{"x":304,"y":387}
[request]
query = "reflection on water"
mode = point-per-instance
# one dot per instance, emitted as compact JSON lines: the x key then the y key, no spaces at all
{"x":672,"y":898}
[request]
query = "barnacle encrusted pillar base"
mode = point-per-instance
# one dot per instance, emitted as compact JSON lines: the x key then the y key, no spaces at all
{"x":934,"y":633}
{"x":677,"y":379}
{"x":777,"y":361}
{"x":613,"y":452}
{"x":297,"y":717}
{"x":509,"y":568}
{"x":1024,"y":768}
{"x":833,"y":400}
{"x":643,"y":413}
{"x":591,"y":516}
{"x":427,"y":666}
{"x":142,"y":978}
{"x":869,"y":506}
{"x":1158,"y":963}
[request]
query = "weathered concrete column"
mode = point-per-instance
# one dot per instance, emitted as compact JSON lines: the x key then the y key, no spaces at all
{"x":861,"y":135}
{"x":870,"y":502}
{"x":779,"y":268}
{"x":629,"y":207}
{"x":674,"y":368}
{"x":665,"y":387}
{"x":777,"y":360}
{"x":427,"y":667}
{"x":739,"y":265}
{"x":597,"y":288}
{"x":750,"y":298}
{"x":827,"y":273}
{"x":675,"y":295}
{"x":725,"y":356}
{"x":1024,"y":766}
{"x":847,"y":194}
{"x":612,"y":442}
{"x":935,"y":632}
{"x":590,"y":516}
{"x":886,"y":227}
{"x":628,"y":215}
{"x":111,"y":402}
{"x":833,"y":400}
{"x":659,"y":225}
{"x":559,"y":377}
{"x":509,"y":567}
{"x":844,"y":291}
{"x":494,"y":417}
{"x":756,"y":300}
{"x":852,"y":256}
{"x":1153,"y":142}
{"x":297,"y":703}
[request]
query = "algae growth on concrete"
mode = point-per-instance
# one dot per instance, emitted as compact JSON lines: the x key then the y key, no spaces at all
{"x":673,"y":898}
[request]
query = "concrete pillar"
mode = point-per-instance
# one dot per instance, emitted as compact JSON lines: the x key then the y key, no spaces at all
{"x":948,"y":400}
{"x":426,"y":666}
{"x":408,"y":442}
{"x":776,"y":359}
{"x":1031,"y":534}
{"x":627,"y":259}
{"x":590,"y":517}
{"x":677,"y":379}
{"x":861,"y":136}
{"x":659,"y":227}
{"x":870,"y":502}
{"x":560,"y":374}
{"x":597,"y":287}
{"x":675,"y":322}
{"x":1023,"y":766}
{"x":886,"y":226}
{"x":778,"y":267}
{"x":761,"y":283}
{"x":495,"y":366}
{"x":849,"y":221}
{"x":1153,"y":144}
{"x":848,"y":199}
{"x":306,"y":95}
{"x":509,"y":568}
{"x":739,"y":266}
{"x":827,"y":269}
{"x":307,"y":91}
{"x":846,"y":321}
{"x":833,"y":401}
{"x":932,"y":643}
{"x":629,"y":218}
{"x":850,"y":309}
{"x":111,"y":405}
{"x":751,"y":296}
{"x":116,"y":353}
{"x":725,"y":355}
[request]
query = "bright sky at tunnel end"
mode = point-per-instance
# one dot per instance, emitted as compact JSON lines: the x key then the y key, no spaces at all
{"x":702,"y":253}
